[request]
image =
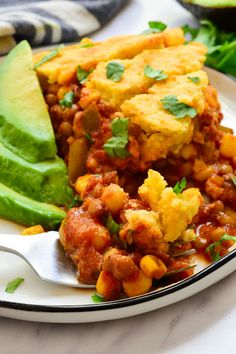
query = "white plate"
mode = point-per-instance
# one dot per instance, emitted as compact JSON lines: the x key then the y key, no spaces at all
{"x":35,"y":300}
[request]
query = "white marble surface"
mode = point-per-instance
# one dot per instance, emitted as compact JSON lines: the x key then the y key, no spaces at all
{"x":204,"y":323}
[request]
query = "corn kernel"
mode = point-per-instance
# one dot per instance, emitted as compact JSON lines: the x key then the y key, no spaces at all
{"x":140,"y":284}
{"x":101,"y":238}
{"x":114,"y":197}
{"x":228,"y":146}
{"x":33,"y":230}
{"x":108,"y":286}
{"x":189,"y":152}
{"x":153,"y":267}
{"x":81,"y":184}
{"x":201,"y":170}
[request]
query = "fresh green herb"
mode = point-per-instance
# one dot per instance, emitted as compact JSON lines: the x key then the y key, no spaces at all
{"x":114,"y":71}
{"x":179,"y":187}
{"x":82,"y":75}
{"x":75,"y":202}
{"x":87,"y":45}
{"x":97,"y":298}
{"x":221,"y":46}
{"x":233,"y":179}
{"x":177,"y":108}
{"x":112,"y":226}
{"x":157,"y":75}
{"x":13,"y":285}
{"x":155,"y":27}
{"x":116,"y":146}
{"x":68,"y":99}
{"x":215,"y":255}
{"x":190,"y":31}
{"x":49,"y":56}
{"x":88,"y":136}
{"x":194,"y":79}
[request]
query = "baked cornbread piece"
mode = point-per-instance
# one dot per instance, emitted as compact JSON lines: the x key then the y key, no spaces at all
{"x":175,"y":211}
{"x":171,"y":213}
{"x":177,"y":60}
{"x":161,"y":131}
{"x":62,"y":68}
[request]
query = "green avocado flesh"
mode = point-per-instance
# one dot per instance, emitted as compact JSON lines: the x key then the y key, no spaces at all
{"x":25,"y":126}
{"x":15,"y":207}
{"x":44,"y":181}
{"x":212,"y":3}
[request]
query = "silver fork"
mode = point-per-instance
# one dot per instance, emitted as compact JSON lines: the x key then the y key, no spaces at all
{"x":44,"y":253}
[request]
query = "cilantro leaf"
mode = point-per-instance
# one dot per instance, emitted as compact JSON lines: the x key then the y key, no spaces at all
{"x":82,"y":75}
{"x":194,"y":79}
{"x":179,"y":187}
{"x":221,"y":46}
{"x":13,"y":285}
{"x":116,"y":146}
{"x":68,"y":99}
{"x":88,"y":136}
{"x":207,"y":33}
{"x":75,"y":202}
{"x":158,"y":75}
{"x":97,"y":298}
{"x":112,"y":226}
{"x":177,"y":108}
{"x":114,"y":71}
{"x":49,"y":56}
{"x":212,"y":248}
{"x":155,"y":27}
{"x":233,"y":179}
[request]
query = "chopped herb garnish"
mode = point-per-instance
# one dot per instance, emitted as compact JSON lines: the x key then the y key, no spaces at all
{"x":116,"y":146}
{"x":155,"y":27}
{"x":49,"y":56}
{"x":97,"y":298}
{"x":177,"y":108}
{"x":75,"y":202}
{"x":87,"y":45}
{"x":88,"y":136}
{"x":114,"y":71}
{"x":179,"y":187}
{"x":13,"y":285}
{"x":157,"y":75}
{"x":215,"y":255}
{"x":233,"y":179}
{"x":112,"y":226}
{"x":194,"y":79}
{"x":82,"y":75}
{"x":68,"y":99}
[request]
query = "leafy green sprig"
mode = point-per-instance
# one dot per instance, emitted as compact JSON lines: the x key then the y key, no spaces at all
{"x":116,"y":146}
{"x":211,"y":249}
{"x":221,"y":45}
{"x":177,"y":108}
{"x":180,"y":186}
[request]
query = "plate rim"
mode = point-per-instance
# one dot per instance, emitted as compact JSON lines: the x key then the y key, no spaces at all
{"x":123,"y":303}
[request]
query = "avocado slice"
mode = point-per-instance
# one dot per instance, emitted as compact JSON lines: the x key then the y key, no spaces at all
{"x":221,"y":12}
{"x":26,"y":211}
{"x":213,"y":3}
{"x":45,"y":181}
{"x":25,"y":125}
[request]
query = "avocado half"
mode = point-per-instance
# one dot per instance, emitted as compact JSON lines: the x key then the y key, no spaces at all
{"x":221,"y":12}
